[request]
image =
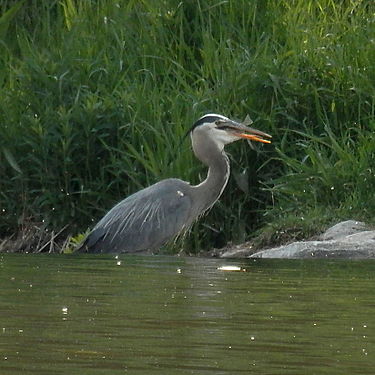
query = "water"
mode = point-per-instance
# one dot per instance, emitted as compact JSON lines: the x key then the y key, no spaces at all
{"x":166,"y":315}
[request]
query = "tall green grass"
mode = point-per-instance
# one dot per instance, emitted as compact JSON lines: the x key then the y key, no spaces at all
{"x":96,"y":96}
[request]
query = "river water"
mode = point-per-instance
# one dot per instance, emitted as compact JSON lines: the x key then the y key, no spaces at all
{"x":169,"y":315}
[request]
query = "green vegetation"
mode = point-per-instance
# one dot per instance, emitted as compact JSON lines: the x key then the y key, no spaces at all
{"x":96,"y":96}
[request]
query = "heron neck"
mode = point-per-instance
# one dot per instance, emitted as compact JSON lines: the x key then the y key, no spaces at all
{"x":217,"y":177}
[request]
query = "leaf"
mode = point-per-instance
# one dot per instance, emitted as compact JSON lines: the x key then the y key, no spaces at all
{"x":11,"y":160}
{"x":7,"y":17}
{"x":248,"y":121}
{"x":242,"y":180}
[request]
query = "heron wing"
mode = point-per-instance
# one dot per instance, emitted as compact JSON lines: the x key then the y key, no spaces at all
{"x":145,"y":220}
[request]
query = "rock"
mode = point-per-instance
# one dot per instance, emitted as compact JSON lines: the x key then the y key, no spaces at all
{"x":322,"y":249}
{"x":345,"y":228}
{"x":346,"y":240}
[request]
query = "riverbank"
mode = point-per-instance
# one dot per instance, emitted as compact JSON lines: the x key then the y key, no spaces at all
{"x":36,"y":239}
{"x":345,"y":240}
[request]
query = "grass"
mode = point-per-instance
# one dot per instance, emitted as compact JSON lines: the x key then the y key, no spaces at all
{"x":96,"y":97}
{"x":335,"y":175}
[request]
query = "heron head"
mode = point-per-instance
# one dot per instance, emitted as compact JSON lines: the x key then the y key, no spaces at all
{"x":223,"y":130}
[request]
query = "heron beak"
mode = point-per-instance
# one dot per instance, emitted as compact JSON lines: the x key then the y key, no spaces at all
{"x":243,"y":131}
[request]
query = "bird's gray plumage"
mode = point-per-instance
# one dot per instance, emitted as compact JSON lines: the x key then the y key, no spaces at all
{"x":151,"y":217}
{"x":130,"y":226}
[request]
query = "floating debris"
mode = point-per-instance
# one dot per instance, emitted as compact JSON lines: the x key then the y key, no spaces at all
{"x":231,"y":268}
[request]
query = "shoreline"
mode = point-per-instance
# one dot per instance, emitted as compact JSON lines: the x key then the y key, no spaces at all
{"x":348,"y":239}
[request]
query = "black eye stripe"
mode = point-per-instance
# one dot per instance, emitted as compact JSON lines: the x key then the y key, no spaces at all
{"x":205,"y":119}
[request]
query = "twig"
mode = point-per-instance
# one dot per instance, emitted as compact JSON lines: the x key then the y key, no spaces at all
{"x":51,"y":243}
{"x":53,"y":236}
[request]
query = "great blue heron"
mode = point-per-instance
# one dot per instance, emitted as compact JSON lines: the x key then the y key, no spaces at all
{"x":151,"y":217}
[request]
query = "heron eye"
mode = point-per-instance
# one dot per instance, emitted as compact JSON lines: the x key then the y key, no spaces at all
{"x":217,"y":122}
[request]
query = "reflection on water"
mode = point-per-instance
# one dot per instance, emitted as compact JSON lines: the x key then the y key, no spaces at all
{"x":167,"y":315}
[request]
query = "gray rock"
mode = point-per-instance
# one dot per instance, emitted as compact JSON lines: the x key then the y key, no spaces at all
{"x":347,"y":240}
{"x":345,"y":228}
